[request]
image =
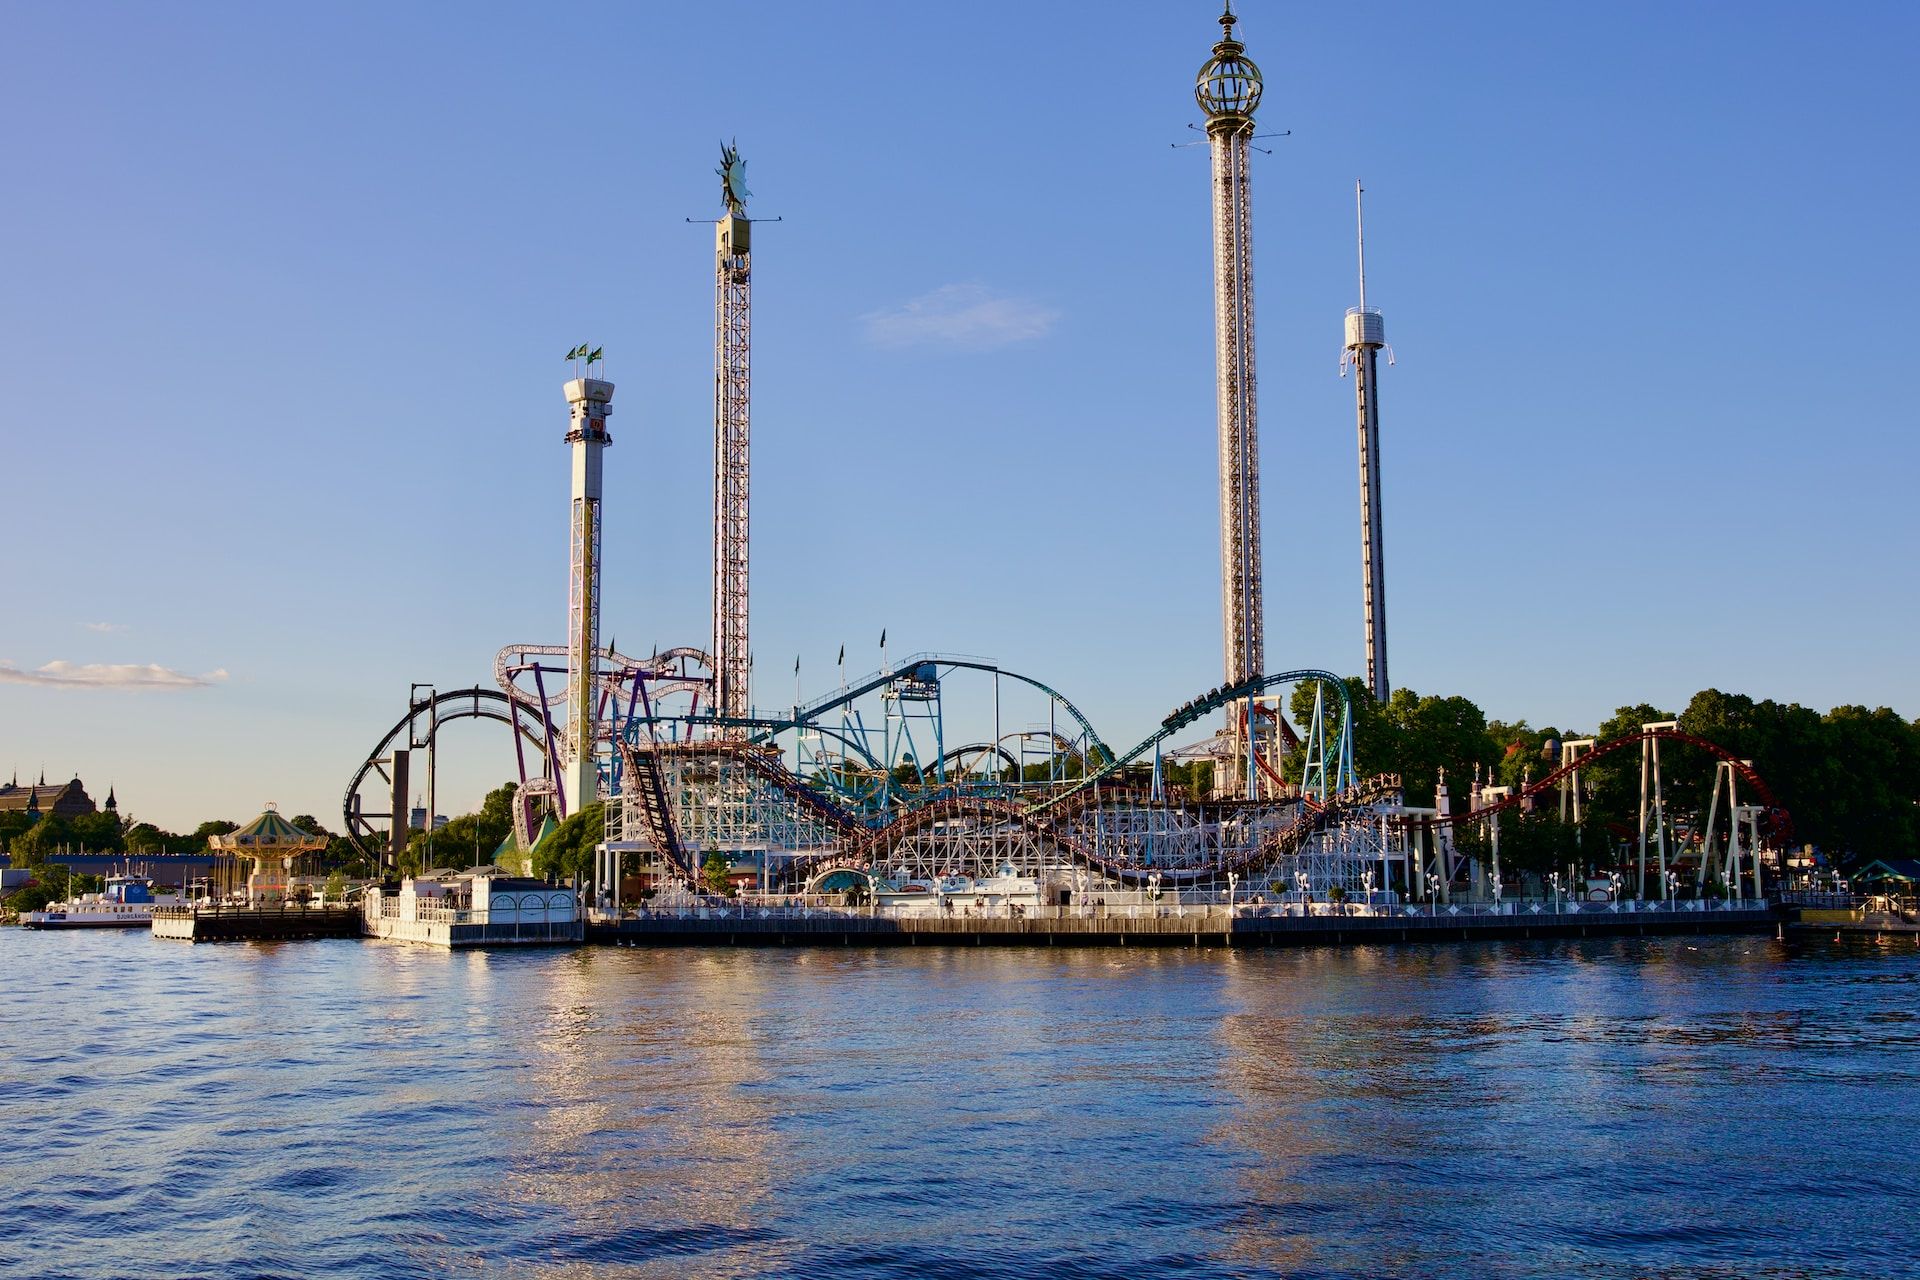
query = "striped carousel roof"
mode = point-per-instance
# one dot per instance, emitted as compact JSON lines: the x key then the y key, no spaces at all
{"x":268,"y":831}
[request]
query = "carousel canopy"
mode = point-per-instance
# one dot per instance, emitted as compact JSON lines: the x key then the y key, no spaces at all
{"x":268,"y":833}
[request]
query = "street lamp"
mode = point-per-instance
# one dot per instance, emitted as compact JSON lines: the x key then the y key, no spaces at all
{"x":1433,"y":894}
{"x":1366,"y":878}
{"x":1233,"y":882}
{"x":1553,"y":880}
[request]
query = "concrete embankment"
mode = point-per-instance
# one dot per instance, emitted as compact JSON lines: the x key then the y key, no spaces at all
{"x":747,"y":928}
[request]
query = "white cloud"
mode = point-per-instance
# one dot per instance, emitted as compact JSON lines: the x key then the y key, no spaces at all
{"x":104,"y":626}
{"x":101,"y":675}
{"x":969,"y":317}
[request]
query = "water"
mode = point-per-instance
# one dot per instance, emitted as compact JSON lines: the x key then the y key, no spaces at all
{"x":1663,"y":1108}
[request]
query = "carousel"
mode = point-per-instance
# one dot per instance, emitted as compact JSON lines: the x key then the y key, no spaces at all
{"x":270,"y":843}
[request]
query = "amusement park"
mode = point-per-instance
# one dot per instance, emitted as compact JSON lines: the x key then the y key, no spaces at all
{"x":943,"y":782}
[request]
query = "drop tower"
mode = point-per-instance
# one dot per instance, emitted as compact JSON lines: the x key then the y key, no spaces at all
{"x":589,"y":401}
{"x":1366,"y":334}
{"x":1228,"y":90}
{"x":732,"y":385}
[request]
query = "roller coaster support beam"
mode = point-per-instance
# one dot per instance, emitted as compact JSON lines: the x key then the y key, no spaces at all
{"x":397,"y":811}
{"x":1570,"y":789}
{"x":1653,"y":805}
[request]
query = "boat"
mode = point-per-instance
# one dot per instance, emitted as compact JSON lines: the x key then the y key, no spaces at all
{"x":127,"y":902}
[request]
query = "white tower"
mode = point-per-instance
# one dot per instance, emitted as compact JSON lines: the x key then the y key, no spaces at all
{"x":732,"y":333}
{"x":1366,"y":334}
{"x":1228,"y":90}
{"x":590,"y":400}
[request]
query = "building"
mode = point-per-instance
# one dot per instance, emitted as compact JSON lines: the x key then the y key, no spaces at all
{"x":40,"y":800}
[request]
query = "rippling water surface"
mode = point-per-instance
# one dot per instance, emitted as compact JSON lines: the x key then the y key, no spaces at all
{"x":1670,"y":1108}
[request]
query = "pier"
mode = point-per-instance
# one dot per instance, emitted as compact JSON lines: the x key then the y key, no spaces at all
{"x":1170,"y":927}
{"x":222,"y":923}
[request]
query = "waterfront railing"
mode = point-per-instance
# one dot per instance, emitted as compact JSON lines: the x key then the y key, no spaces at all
{"x":739,"y":909}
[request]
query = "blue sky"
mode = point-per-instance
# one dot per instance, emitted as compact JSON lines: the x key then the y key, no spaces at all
{"x":287,"y":287}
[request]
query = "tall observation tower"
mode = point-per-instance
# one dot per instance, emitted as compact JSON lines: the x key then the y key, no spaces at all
{"x":1366,"y":334}
{"x":732,"y":331}
{"x":589,"y":400}
{"x":1228,"y":90}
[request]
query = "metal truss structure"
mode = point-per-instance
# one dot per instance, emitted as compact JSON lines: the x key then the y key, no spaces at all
{"x":1228,"y":90}
{"x":732,"y":380}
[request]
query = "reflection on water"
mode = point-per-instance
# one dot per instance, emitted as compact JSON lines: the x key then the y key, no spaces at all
{"x":1657,"y":1108}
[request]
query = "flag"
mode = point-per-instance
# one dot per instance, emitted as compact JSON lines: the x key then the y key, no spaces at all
{"x":843,"y":656}
{"x":796,"y":664}
{"x":883,"y":637}
{"x":595,"y":354}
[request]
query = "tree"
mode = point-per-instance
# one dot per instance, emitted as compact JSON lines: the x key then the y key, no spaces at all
{"x":714,"y":872}
{"x":13,"y":823}
{"x":41,"y":841}
{"x":568,"y":852}
{"x":473,"y":837}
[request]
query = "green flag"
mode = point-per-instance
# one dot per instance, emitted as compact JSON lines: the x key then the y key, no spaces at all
{"x":594,"y":354}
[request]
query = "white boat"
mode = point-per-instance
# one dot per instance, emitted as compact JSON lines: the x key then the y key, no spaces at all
{"x":127,"y":902}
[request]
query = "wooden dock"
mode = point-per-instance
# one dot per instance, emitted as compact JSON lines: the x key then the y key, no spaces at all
{"x":1195,"y":928}
{"x":255,"y":924}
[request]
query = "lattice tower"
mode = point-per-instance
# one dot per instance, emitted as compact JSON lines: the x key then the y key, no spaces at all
{"x":1228,"y":90}
{"x":732,"y":330}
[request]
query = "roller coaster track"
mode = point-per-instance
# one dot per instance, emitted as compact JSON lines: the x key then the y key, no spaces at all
{"x":456,"y":704}
{"x":1778,"y":821}
{"x":1191,"y":713}
{"x":656,"y":814}
{"x":643,"y":763}
{"x":810,"y":712}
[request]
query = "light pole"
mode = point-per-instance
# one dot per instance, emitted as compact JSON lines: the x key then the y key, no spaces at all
{"x":1366,"y":878}
{"x":1553,"y":880}
{"x":1433,"y":894}
{"x":1233,"y":882}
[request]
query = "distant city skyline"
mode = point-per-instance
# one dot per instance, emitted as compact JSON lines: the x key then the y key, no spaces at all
{"x":280,"y":380}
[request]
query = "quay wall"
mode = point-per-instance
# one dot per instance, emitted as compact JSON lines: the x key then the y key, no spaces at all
{"x":465,"y":933}
{"x":254,"y":924}
{"x":1194,"y":929}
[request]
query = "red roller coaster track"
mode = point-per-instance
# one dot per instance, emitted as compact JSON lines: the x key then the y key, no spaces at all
{"x":1779,"y":821}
